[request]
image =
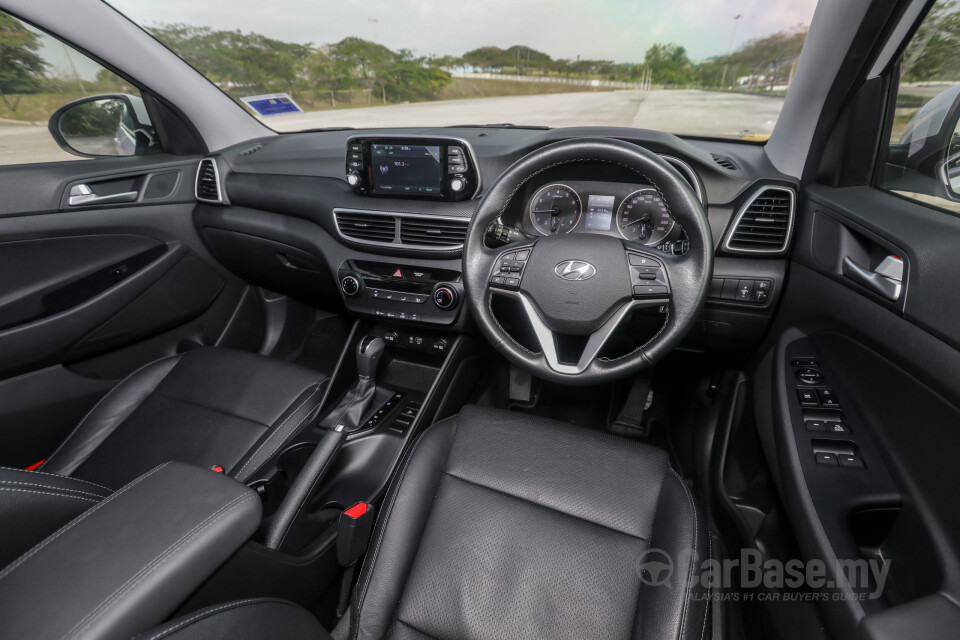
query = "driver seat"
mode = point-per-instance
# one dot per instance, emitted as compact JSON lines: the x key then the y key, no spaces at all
{"x":506,"y":526}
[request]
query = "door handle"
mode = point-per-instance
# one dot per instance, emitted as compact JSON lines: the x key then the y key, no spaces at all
{"x":876,"y":282}
{"x":81,"y":194}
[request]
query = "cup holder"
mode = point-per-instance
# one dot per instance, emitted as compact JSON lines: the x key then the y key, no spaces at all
{"x":273,"y":490}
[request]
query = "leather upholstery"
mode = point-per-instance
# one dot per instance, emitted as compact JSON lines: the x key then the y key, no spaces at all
{"x":206,"y":407}
{"x":129,"y":561}
{"x":33,"y":505}
{"x":255,"y":619}
{"x":498,"y":526}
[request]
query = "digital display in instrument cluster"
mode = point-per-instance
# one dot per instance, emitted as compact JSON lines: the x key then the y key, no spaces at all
{"x":599,"y":213}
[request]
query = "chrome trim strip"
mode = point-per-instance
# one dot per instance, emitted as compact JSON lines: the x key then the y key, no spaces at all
{"x":596,"y":341}
{"x":692,"y":176}
{"x":396,"y":237}
{"x":731,"y":229}
{"x":216,"y":173}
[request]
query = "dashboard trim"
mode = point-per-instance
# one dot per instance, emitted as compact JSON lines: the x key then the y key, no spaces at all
{"x":691,"y":175}
{"x":397,"y":243}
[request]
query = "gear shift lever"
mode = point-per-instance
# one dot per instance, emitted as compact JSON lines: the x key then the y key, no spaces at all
{"x":344,"y":419}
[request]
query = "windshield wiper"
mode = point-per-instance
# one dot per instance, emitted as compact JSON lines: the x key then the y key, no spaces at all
{"x":502,"y":125}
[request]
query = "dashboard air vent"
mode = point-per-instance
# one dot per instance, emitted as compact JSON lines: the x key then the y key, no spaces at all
{"x":764,"y":223}
{"x":724,"y":162}
{"x":430,"y":232}
{"x":208,"y":182}
{"x":368,"y":227}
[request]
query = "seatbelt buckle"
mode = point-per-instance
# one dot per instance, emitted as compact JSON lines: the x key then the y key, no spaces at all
{"x":353,"y":533}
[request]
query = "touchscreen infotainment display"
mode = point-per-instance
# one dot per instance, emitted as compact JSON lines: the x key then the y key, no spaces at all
{"x":406,"y":169}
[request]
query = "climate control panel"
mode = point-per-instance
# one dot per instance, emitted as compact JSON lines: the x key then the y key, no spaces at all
{"x":401,"y":292}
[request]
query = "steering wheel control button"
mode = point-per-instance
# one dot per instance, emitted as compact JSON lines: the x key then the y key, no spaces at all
{"x":645,"y":290}
{"x":637,"y":260}
{"x":809,"y":375}
{"x":808,"y":398}
{"x":522,"y":255}
{"x":509,"y":269}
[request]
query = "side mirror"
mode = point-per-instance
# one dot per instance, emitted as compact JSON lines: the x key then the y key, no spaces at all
{"x":929,"y":147}
{"x":104,"y":126}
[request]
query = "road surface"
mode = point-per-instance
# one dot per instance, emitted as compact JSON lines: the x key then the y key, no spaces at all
{"x":685,"y":112}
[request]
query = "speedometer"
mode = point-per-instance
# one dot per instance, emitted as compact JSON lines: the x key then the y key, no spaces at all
{"x":555,"y":209}
{"x":643,"y":217}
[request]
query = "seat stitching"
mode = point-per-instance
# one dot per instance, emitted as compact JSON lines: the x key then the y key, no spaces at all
{"x":57,"y":489}
{"x":49,"y":493}
{"x":386,"y":520}
{"x":696,"y":536}
{"x":545,"y":506}
{"x":157,"y":562}
{"x":210,"y":612}
{"x":101,"y":400}
{"x":703,"y":631}
{"x":57,"y":475}
{"x":32,"y":552}
{"x":279,"y":427}
{"x":208,"y":408}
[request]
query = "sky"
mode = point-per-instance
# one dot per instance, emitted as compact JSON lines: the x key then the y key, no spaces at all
{"x":619,"y":30}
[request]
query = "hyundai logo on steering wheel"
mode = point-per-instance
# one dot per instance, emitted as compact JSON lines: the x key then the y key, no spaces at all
{"x":575,"y":270}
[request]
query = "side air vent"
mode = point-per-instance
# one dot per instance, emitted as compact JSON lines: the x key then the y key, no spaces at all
{"x":208,"y":182}
{"x":367,"y":227}
{"x":429,"y":232}
{"x":724,"y":162}
{"x":764,"y":224}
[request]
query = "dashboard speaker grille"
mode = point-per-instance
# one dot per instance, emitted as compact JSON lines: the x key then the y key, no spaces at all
{"x":370,"y":227}
{"x":427,"y":232}
{"x":208,"y":182}
{"x":764,"y":224}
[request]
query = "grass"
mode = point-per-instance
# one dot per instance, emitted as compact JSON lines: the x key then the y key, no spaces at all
{"x":35,"y":107}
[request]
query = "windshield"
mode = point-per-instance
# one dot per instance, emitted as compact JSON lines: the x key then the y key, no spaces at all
{"x":713,"y":68}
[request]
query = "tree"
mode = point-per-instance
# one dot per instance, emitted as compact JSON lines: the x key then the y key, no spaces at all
{"x":21,"y":66}
{"x":368,"y":61}
{"x":669,"y":64}
{"x":934,"y":52}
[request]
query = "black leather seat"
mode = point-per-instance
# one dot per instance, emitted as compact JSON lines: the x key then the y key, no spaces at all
{"x":208,"y":407}
{"x":502,"y":526}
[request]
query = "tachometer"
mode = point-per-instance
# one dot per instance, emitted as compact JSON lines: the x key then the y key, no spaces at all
{"x":643,"y":217}
{"x":555,"y":209}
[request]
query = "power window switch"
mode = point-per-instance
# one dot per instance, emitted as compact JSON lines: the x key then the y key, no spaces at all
{"x":850,"y":461}
{"x":827,"y":459}
{"x":815,"y":425}
{"x":808,"y":398}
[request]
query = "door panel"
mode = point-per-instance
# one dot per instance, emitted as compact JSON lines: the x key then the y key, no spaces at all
{"x":893,"y":367}
{"x":95,"y":289}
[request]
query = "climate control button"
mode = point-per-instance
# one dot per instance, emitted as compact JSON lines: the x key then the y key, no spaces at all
{"x":445,"y":297}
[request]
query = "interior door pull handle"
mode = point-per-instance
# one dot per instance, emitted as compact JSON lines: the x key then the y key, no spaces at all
{"x":886,"y":287}
{"x":81,"y":194}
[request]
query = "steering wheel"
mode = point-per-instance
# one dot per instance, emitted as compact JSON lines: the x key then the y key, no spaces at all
{"x":586,"y":284}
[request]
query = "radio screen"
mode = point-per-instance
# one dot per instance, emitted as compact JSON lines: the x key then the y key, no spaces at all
{"x":406,"y":169}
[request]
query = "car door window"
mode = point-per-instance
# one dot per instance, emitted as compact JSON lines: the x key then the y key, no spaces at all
{"x":39,"y":74}
{"x":923,"y":155}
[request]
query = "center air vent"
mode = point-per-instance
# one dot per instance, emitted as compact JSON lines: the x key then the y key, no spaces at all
{"x":368,"y":227}
{"x":402,"y":230}
{"x":764,"y":223}
{"x":208,"y":182}
{"x":430,"y":232}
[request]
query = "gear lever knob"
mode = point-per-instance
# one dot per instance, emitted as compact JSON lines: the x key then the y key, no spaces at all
{"x":368,"y":355}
